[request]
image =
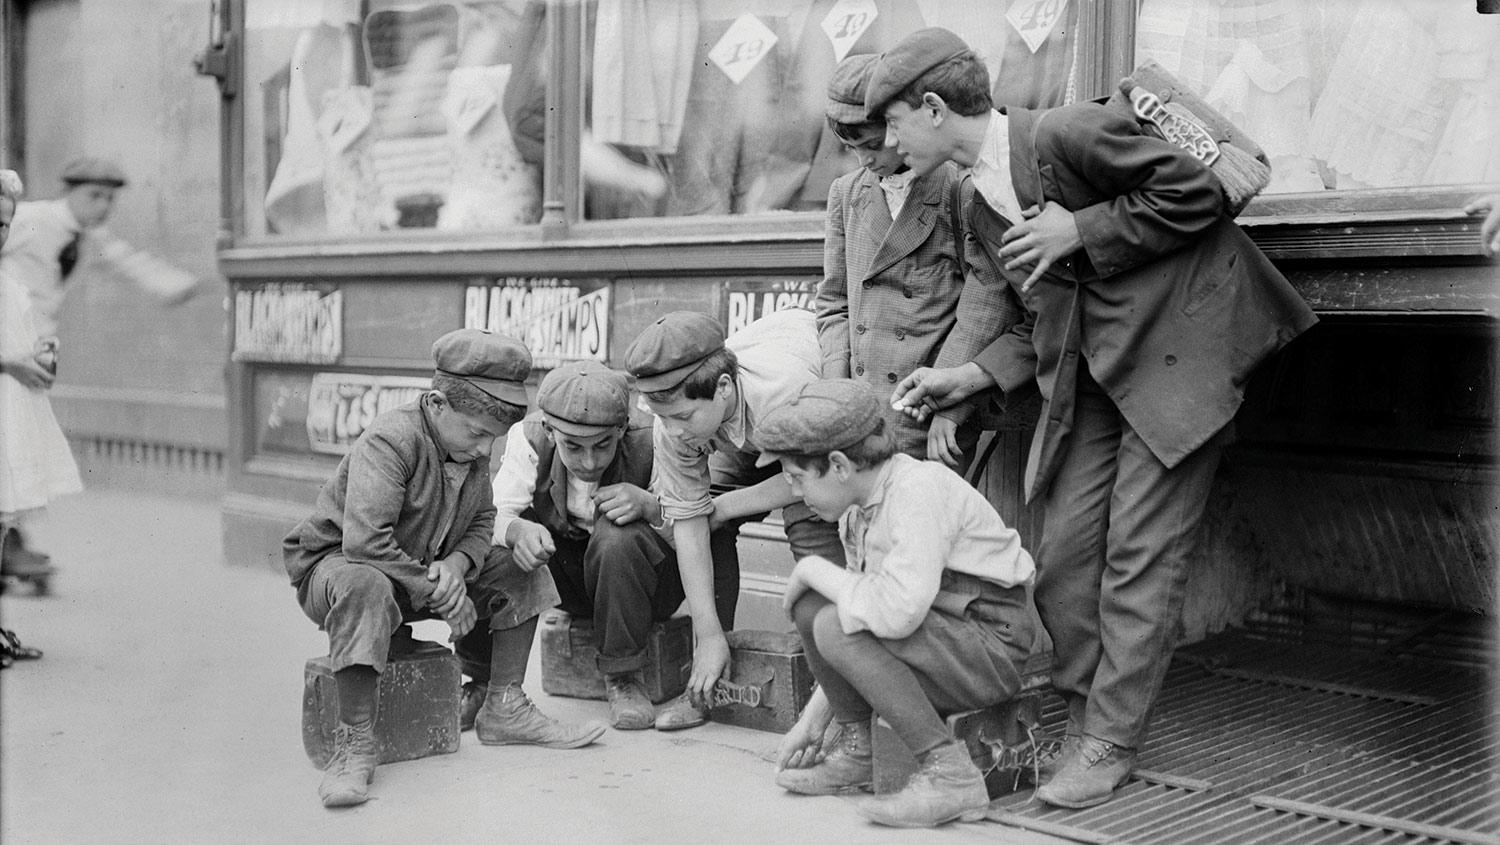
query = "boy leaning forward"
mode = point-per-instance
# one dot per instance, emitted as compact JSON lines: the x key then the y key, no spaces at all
{"x":402,"y":531}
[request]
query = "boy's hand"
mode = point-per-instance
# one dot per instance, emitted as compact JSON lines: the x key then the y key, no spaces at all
{"x":710,"y":659}
{"x":942,"y":441}
{"x":530,"y":544}
{"x":25,"y":369}
{"x":624,"y":503}
{"x":1047,"y":235}
{"x":796,"y":585}
{"x":462,"y":620}
{"x":450,"y":591}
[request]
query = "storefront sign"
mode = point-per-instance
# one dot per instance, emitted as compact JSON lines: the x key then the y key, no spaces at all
{"x":340,"y":406}
{"x":556,"y":318}
{"x":747,"y":300}
{"x":289,"y":323}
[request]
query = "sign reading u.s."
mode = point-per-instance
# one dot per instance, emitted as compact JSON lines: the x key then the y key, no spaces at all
{"x":558,"y":319}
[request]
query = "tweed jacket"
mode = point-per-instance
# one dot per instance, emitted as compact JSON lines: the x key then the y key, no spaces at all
{"x":384,"y":506}
{"x":1168,"y":301}
{"x":894,"y":295}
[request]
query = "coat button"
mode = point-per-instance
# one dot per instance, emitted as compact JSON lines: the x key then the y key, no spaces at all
{"x":901,"y":334}
{"x":860,"y":328}
{"x":906,"y":292}
{"x":860,"y":370}
{"x":1171,"y":359}
{"x":890,"y":377}
{"x":869,"y":283}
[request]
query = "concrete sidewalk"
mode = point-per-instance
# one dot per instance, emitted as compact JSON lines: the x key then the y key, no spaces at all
{"x":167,"y":709}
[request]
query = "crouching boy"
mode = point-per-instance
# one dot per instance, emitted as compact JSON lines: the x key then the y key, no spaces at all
{"x":402,"y":531}
{"x":929,"y":617}
{"x":572,"y":494}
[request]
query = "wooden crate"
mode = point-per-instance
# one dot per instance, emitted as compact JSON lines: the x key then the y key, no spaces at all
{"x":767,"y":684}
{"x":418,"y":710}
{"x":570,"y":656}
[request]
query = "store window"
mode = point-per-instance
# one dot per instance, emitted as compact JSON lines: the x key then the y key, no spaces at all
{"x":1343,"y":94}
{"x":364,"y":116}
{"x":716,"y":107}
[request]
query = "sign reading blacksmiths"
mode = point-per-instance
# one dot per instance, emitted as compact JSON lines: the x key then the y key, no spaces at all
{"x":340,"y":406}
{"x":747,"y":300}
{"x":559,"y":320}
{"x":289,"y":323}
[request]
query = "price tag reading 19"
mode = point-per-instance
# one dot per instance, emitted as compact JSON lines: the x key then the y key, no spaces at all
{"x":742,"y":47}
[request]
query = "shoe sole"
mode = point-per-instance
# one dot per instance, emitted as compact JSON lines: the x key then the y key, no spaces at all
{"x":580,"y":742}
{"x":679,"y":726}
{"x":1071,"y":804}
{"x":964,"y":816}
{"x":868,"y":786}
{"x":625,"y":725}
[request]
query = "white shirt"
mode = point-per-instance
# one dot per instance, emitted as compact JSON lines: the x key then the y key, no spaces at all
{"x":921,"y":519}
{"x":515,"y":484}
{"x":897,"y":187}
{"x":992,"y":171}
{"x":37,"y":235}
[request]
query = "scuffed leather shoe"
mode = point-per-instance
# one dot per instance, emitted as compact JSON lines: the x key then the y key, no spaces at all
{"x":630,"y":708}
{"x":946,"y":787}
{"x":469,"y":703}
{"x":346,"y":778}
{"x":509,"y":718}
{"x":1048,"y":767}
{"x":1091,"y":776}
{"x":850,"y":765}
{"x":680,"y":713}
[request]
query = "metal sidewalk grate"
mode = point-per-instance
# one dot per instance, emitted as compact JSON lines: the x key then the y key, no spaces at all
{"x":1307,"y":726}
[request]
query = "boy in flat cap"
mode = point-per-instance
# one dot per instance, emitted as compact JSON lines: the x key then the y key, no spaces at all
{"x":929,"y":617}
{"x":50,"y":238}
{"x":572,"y":493}
{"x":709,"y":395}
{"x":402,"y":531}
{"x":1147,"y":310}
{"x":896,"y":294}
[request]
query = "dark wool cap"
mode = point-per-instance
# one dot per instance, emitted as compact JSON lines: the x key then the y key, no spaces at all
{"x":670,"y":348}
{"x":91,"y":170}
{"x":584,"y":398}
{"x":901,"y":65}
{"x":846,"y":89}
{"x":496,"y":363}
{"x":825,"y":415}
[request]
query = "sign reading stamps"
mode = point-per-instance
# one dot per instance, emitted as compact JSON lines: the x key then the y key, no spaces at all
{"x":288,"y":323}
{"x":557,"y":319}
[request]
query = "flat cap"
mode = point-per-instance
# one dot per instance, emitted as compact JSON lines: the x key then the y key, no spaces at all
{"x":93,"y":170}
{"x":584,"y":398}
{"x":827,"y":414}
{"x":846,"y":89}
{"x":665,"y":353}
{"x":496,"y":363}
{"x":901,"y":65}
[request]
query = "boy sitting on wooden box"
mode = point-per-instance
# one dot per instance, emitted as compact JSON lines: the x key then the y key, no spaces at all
{"x":402,"y":531}
{"x":929,"y":616}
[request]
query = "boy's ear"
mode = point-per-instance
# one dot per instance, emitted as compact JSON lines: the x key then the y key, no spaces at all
{"x":726,"y":381}
{"x":935,"y":106}
{"x":437,"y":398}
{"x":839,"y":463}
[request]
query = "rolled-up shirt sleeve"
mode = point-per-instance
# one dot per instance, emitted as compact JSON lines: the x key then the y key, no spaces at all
{"x":681,"y":477}
{"x":515,"y":483}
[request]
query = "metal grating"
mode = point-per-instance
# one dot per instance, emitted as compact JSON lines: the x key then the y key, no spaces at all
{"x":1327,"y":723}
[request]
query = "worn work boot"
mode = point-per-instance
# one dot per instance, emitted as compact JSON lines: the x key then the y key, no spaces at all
{"x":509,"y":718}
{"x":629,"y":707}
{"x":1090,"y":776}
{"x":946,"y":786}
{"x":469,"y":703}
{"x":850,"y":765}
{"x":346,"y":778}
{"x":1048,"y":766}
{"x":681,"y":713}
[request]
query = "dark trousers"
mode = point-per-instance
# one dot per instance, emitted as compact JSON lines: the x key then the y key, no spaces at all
{"x":360,"y":608}
{"x":1112,"y":565}
{"x":966,"y":654}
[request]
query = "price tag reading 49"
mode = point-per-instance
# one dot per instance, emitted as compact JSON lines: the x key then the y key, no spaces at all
{"x":1035,"y":19}
{"x":742,"y":47}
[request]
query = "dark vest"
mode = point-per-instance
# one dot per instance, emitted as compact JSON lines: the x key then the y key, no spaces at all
{"x":549,"y":504}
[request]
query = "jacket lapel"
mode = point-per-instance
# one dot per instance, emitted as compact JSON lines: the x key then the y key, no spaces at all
{"x":918,"y":218}
{"x":1024,"y":175}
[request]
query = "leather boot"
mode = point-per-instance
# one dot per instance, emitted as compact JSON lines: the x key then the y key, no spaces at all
{"x":850,"y":765}
{"x":630,"y":708}
{"x":681,"y":713}
{"x":1049,"y":766}
{"x":946,"y":786}
{"x":1090,"y":776}
{"x":509,"y":718}
{"x":469,"y":703}
{"x":346,"y":778}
